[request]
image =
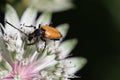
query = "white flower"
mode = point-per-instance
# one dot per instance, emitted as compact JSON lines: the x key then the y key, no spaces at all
{"x":28,"y":62}
{"x":50,"y":5}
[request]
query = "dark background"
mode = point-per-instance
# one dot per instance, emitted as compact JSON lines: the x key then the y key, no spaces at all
{"x":99,"y":39}
{"x":2,"y":10}
{"x":92,"y":23}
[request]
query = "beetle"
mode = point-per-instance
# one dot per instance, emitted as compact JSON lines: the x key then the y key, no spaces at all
{"x":42,"y":32}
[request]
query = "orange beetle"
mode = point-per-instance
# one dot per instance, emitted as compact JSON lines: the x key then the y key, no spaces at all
{"x":43,"y":33}
{"x":51,"y":33}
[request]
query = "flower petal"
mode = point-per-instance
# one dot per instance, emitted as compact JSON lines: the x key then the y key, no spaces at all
{"x":33,"y":57}
{"x":74,"y":64}
{"x":1,"y":28}
{"x":63,"y":28}
{"x":4,"y":52}
{"x":29,"y":16}
{"x":46,"y":62}
{"x":44,"y":19}
{"x":19,"y":45}
{"x":12,"y":17}
{"x":13,"y":36}
{"x":50,"y":5}
{"x":3,"y":73}
{"x":66,"y":47}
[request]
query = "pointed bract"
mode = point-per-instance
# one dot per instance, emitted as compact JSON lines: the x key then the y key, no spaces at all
{"x":29,"y":16}
{"x":12,"y":17}
{"x":50,"y":5}
{"x":66,"y":47}
{"x":63,"y":28}
{"x":44,"y":19}
{"x":74,"y":64}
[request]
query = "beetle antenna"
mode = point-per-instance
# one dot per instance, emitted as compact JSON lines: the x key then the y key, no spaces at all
{"x":31,"y":26}
{"x":15,"y":27}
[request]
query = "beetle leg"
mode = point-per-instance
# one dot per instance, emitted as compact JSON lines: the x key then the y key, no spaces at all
{"x":55,"y":39}
{"x":31,"y":26}
{"x":39,"y":25}
{"x":32,"y":42}
{"x":45,"y":44}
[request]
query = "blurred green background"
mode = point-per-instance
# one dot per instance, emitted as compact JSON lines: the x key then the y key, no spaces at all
{"x":96,"y":24}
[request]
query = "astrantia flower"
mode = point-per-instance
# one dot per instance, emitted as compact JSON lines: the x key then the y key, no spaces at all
{"x":27,"y":62}
{"x":50,"y":5}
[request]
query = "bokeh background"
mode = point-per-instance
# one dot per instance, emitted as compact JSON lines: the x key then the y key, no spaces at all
{"x":96,"y":24}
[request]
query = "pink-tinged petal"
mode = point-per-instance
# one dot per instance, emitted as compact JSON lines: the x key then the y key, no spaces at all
{"x":34,"y":56}
{"x":8,"y":78}
{"x":25,"y":72}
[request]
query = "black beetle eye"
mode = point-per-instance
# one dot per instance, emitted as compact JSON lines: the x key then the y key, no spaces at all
{"x":42,"y":32}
